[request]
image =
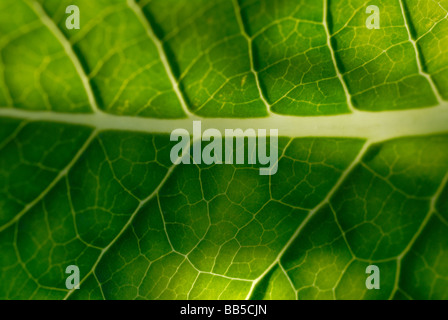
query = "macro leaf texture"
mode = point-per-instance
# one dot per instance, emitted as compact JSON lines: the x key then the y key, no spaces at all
{"x":86,"y":177}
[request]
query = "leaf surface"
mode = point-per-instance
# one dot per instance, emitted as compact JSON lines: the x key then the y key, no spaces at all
{"x":86,"y":177}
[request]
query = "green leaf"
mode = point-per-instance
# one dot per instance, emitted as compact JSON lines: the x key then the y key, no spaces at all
{"x":86,"y":177}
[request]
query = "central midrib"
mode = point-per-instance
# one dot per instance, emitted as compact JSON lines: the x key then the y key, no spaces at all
{"x":372,"y":126}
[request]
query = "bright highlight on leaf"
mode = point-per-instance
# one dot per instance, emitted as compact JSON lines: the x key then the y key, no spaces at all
{"x":88,"y":179}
